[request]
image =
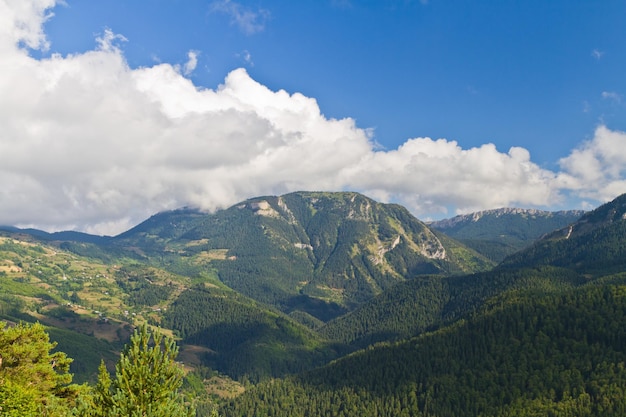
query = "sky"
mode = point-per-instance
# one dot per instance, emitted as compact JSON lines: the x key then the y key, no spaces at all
{"x":111,"y":111}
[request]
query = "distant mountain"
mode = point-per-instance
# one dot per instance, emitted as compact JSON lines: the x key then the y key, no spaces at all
{"x":317,"y":253}
{"x":65,"y":236}
{"x":314,"y":256}
{"x":289,"y":285}
{"x":593,"y":245}
{"x":429,"y":302}
{"x":501,"y":232}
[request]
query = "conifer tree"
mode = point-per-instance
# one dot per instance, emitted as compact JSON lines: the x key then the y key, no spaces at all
{"x":33,"y":381}
{"x":146,"y":383}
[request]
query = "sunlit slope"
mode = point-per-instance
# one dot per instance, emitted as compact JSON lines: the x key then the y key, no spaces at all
{"x":320,"y":253}
{"x":91,"y":308}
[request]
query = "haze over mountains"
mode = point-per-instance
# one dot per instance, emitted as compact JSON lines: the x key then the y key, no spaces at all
{"x":294,"y":286}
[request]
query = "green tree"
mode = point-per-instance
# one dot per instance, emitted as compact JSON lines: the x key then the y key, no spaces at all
{"x":146,"y":383}
{"x":33,"y":381}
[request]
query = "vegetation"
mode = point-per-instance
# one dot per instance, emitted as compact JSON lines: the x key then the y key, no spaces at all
{"x":34,"y":381}
{"x":526,"y":354}
{"x":502,"y":232}
{"x":313,"y":304}
{"x":147,"y":381}
{"x":337,"y":248}
{"x":243,"y":338}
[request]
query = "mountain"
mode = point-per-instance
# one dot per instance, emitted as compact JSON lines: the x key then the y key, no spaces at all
{"x":242,"y":288}
{"x":429,"y":302}
{"x":541,"y":334}
{"x":320,"y":254}
{"x":284,"y":291}
{"x":65,"y":236}
{"x":593,"y":245}
{"x":501,"y":232}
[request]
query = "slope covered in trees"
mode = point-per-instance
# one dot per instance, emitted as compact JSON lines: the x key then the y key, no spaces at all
{"x":593,"y":245}
{"x":540,"y":334}
{"x":244,"y":338}
{"x":317,"y":253}
{"x":525,"y":354}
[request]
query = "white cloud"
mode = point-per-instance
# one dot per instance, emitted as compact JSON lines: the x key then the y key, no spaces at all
{"x":596,"y":169}
{"x":248,"y":20}
{"x":108,"y":41}
{"x":89,"y":143}
{"x":191,"y":63}
{"x":428,"y":175}
{"x":21,"y":23}
{"x":597,"y":54}
{"x":613,"y":96}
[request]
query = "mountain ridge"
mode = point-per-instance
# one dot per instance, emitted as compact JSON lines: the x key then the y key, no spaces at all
{"x":498,"y":212}
{"x":342,"y":248}
{"x":178,"y":270}
{"x":499,"y":233}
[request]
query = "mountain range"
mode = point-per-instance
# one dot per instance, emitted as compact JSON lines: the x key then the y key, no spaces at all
{"x":335,"y":304}
{"x":500,"y":232}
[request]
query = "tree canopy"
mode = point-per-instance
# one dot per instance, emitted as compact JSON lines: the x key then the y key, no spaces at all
{"x":146,"y":382}
{"x":33,"y":380}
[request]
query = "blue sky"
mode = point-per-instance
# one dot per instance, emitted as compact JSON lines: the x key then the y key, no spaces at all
{"x":529,"y":73}
{"x":444,"y":106}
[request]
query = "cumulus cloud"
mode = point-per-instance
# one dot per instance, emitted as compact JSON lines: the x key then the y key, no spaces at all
{"x":596,"y":168}
{"x":428,"y":175}
{"x":249,"y":21}
{"x":21,"y":23}
{"x":89,"y":143}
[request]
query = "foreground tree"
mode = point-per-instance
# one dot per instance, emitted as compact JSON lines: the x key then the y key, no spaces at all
{"x":146,"y":383}
{"x":33,"y":381}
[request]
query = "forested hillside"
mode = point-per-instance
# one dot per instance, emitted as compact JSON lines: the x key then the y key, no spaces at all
{"x":315,"y":253}
{"x":528,"y":338}
{"x":243,"y":338}
{"x":323,"y":304}
{"x":426,"y":303}
{"x":528,"y":354}
{"x":594,"y":244}
{"x":91,"y":308}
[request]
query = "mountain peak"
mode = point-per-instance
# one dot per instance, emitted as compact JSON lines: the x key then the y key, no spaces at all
{"x":313,"y":249}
